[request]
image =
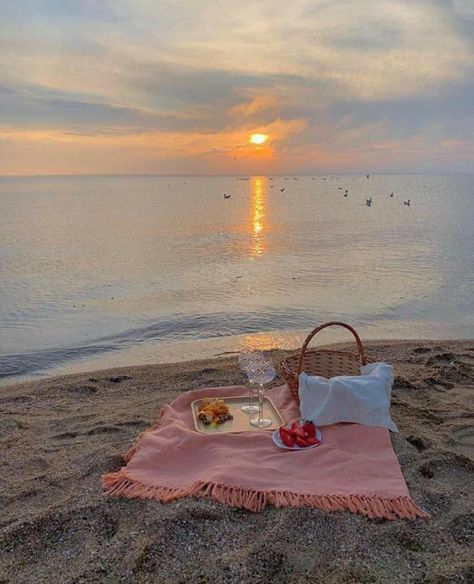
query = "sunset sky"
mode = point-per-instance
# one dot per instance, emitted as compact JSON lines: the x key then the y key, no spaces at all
{"x":178,"y":86}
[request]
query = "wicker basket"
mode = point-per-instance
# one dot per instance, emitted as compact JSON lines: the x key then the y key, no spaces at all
{"x":324,"y":362}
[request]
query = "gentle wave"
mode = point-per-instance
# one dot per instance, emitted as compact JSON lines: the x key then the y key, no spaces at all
{"x":178,"y":328}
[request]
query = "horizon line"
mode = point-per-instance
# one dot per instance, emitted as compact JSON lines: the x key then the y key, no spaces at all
{"x":176,"y":175}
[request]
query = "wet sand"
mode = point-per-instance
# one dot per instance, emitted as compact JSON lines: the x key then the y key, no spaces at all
{"x":59,"y":435}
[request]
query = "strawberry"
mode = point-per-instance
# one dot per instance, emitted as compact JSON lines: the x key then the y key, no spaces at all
{"x":287,"y":437}
{"x":312,"y":440}
{"x":302,"y":442}
{"x":309,"y":428}
{"x":301,"y":432}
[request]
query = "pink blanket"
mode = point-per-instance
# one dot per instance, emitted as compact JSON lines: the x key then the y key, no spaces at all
{"x":355,"y":467}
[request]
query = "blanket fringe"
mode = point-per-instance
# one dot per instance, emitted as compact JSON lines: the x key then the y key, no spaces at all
{"x":374,"y":507}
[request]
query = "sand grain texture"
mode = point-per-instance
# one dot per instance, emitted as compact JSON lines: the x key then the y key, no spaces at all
{"x":59,"y":435}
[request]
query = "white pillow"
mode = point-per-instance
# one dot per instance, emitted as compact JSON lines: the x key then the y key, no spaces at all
{"x":363,"y":399}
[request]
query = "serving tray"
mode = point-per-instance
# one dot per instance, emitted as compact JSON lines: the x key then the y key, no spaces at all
{"x":241,"y":420}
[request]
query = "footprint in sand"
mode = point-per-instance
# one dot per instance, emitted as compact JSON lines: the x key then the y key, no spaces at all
{"x":10,"y":426}
{"x":450,"y":360}
{"x":453,"y":468}
{"x":17,"y":399}
{"x":119,"y":378}
{"x":84,"y":389}
{"x":418,"y":442}
{"x":464,"y":436}
{"x":438,"y":383}
{"x":462,"y":528}
{"x":102,"y":429}
{"x":36,"y":464}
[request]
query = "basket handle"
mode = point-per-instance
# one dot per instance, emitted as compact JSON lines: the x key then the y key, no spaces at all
{"x":362,"y":356}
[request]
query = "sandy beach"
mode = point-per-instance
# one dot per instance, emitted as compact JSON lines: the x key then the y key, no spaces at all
{"x":59,"y":435}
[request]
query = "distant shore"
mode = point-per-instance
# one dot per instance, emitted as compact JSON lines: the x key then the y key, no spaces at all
{"x":60,"y":434}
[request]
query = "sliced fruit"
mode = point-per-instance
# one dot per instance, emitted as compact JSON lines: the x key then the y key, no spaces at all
{"x":301,"y":432}
{"x":310,"y":428}
{"x":287,"y":438}
{"x":301,"y":442}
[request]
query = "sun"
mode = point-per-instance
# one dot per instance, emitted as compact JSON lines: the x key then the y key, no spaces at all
{"x":258,"y":138}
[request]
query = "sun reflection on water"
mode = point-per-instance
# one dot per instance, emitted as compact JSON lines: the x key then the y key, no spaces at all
{"x":257,"y":201}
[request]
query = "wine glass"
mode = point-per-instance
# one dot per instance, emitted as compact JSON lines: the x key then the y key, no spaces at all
{"x":248,"y":362}
{"x":263,"y":373}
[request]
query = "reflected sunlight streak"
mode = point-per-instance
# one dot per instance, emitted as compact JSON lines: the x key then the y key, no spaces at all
{"x":257,"y":198}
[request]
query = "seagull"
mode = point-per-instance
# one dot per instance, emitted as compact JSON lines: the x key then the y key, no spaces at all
{"x":407,"y":203}
{"x":227,"y":196}
{"x":391,"y":194}
{"x":368,"y":202}
{"x":345,"y":194}
{"x":281,"y":190}
{"x":368,"y":176}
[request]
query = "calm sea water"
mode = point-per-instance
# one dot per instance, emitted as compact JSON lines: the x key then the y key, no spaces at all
{"x":122,"y":270}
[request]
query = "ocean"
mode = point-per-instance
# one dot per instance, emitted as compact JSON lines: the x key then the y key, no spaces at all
{"x":99,"y":271}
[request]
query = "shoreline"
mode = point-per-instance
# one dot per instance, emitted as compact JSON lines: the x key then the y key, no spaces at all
{"x":60,"y":434}
{"x":166,"y":352}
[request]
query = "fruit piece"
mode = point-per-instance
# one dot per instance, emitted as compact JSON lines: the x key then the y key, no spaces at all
{"x":302,"y":442}
{"x":309,"y":428}
{"x":301,"y":432}
{"x":294,"y":426}
{"x":312,"y":440}
{"x":286,"y":437}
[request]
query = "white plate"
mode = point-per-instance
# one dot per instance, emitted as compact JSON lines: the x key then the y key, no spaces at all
{"x":277,"y":440}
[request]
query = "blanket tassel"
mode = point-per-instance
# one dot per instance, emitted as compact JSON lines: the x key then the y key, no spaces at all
{"x":119,"y":484}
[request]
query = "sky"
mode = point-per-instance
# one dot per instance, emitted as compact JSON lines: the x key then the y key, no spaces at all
{"x":178,"y":86}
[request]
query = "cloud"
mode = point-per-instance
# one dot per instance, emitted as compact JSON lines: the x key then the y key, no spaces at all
{"x":258,"y":104}
{"x":36,"y":107}
{"x":181,"y":81}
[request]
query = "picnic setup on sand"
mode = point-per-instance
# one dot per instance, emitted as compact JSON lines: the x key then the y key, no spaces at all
{"x":320,"y":440}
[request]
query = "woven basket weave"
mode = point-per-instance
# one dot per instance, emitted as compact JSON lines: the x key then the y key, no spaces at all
{"x":323,"y":362}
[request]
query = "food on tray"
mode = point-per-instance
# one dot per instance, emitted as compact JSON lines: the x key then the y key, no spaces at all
{"x":301,"y":433}
{"x":213,"y":411}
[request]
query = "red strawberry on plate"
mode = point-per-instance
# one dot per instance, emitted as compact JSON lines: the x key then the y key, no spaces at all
{"x":309,"y":428}
{"x":301,"y":442}
{"x":286,"y":437}
{"x":298,"y":435}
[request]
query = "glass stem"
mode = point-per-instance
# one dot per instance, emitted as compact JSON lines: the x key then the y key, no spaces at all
{"x":260,"y":403}
{"x":251,"y":395}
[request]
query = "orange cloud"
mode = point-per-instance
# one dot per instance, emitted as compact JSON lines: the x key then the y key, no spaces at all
{"x":168,"y":143}
{"x":258,"y":104}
